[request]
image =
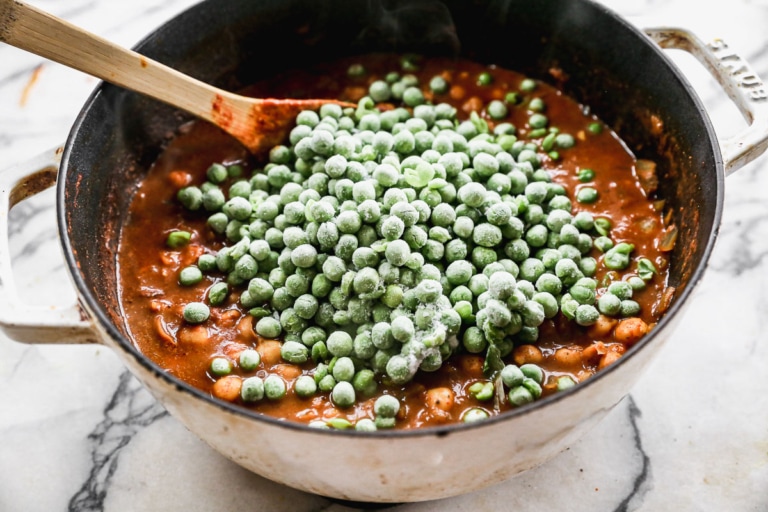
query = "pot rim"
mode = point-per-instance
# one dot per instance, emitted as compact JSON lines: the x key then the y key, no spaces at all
{"x":100,"y":316}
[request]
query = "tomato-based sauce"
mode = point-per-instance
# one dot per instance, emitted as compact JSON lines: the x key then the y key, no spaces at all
{"x":153,"y":300}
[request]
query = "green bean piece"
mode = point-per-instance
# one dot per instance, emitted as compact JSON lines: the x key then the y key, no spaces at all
{"x":617,"y":257}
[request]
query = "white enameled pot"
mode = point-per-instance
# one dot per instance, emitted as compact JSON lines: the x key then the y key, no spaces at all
{"x":392,"y":466}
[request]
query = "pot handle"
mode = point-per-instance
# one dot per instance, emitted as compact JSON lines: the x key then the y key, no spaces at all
{"x":19,"y":321}
{"x":739,"y":81}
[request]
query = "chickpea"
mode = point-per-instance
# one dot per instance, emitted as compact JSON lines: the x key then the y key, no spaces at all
{"x":457,"y":92}
{"x":287,"y":371}
{"x":354,"y":93}
{"x":227,"y":388}
{"x":602,"y":327}
{"x":269,"y":350}
{"x":193,"y":334}
{"x":593,"y":353}
{"x":610,"y":357}
{"x":527,"y":354}
{"x":569,"y":356}
{"x":179,"y":178}
{"x":498,"y":93}
{"x":630,"y":330}
{"x":245,"y":327}
{"x":473,"y":104}
{"x":472,"y":365}
{"x":229,"y":317}
{"x":439,"y":399}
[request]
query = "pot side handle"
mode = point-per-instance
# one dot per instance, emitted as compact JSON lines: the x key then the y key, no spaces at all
{"x":19,"y":321}
{"x":740,"y":82}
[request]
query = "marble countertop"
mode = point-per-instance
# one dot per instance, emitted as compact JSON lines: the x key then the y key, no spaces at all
{"x":79,"y":433}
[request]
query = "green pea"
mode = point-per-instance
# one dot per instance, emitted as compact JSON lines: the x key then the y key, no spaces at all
{"x":343,"y":369}
{"x":268,"y":327}
{"x":252,"y":389}
{"x":178,"y":239}
{"x":305,"y":386}
{"x":484,"y":78}
{"x":249,"y":360}
{"x":274,"y":387}
{"x":497,"y":110}
{"x":595,"y":128}
{"x":217,"y":293}
{"x":609,"y":304}
{"x":519,"y":396}
{"x":190,"y":276}
{"x":629,"y":308}
{"x":474,"y":341}
{"x":402,"y":329}
{"x":343,"y":395}
{"x":196,"y":313}
{"x":220,"y":366}
{"x":365,"y":425}
{"x":586,"y":195}
{"x":386,"y":406}
{"x":586,"y":314}
{"x":294,"y":352}
{"x":527,"y":85}
{"x":340,"y":344}
{"x":474,"y":414}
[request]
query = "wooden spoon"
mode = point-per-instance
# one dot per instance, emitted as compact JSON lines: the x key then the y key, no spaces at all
{"x":258,"y":124}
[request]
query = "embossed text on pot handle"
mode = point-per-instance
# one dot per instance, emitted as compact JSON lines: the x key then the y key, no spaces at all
{"x":739,"y":81}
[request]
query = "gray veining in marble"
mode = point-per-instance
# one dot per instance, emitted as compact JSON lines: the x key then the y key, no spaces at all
{"x":80,"y":434}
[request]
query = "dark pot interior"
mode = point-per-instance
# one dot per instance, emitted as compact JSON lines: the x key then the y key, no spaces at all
{"x":605,"y":64}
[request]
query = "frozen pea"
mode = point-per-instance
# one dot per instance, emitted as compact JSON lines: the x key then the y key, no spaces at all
{"x":340,"y":344}
{"x":294,"y":352}
{"x":252,"y":389}
{"x":196,"y":312}
{"x":249,"y":359}
{"x":274,"y":387}
{"x":305,"y":386}
{"x":343,"y":395}
{"x":268,"y":327}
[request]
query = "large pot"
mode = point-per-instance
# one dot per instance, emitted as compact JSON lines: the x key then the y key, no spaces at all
{"x":602,"y":61}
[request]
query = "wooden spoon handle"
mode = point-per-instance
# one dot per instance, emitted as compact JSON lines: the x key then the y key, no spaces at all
{"x":43,"y":34}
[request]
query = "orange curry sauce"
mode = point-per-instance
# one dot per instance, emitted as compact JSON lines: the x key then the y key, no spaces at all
{"x":152,"y":299}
